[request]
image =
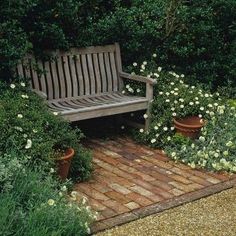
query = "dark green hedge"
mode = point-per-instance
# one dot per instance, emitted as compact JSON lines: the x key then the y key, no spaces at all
{"x":198,"y":37}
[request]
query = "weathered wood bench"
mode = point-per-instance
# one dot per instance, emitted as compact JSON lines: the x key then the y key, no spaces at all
{"x":85,"y":83}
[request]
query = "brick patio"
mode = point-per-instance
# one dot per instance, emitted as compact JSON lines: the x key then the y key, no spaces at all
{"x":132,"y":181}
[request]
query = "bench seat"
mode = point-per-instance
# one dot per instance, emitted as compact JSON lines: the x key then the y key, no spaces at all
{"x":86,"y":107}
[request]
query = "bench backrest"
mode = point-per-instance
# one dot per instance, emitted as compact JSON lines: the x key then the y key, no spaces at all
{"x":84,"y":71}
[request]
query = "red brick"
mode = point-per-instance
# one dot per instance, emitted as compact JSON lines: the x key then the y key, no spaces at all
{"x":176,"y":192}
{"x":161,"y":184}
{"x":119,"y":188}
{"x":96,"y":205}
{"x":107,"y":213}
{"x":121,"y":198}
{"x":141,"y":191}
{"x":91,"y":192}
{"x":116,"y":206}
{"x":141,"y":200}
{"x":132,"y":205}
{"x":180,"y":179}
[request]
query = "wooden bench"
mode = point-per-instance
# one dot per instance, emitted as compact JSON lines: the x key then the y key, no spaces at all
{"x":85,"y":83}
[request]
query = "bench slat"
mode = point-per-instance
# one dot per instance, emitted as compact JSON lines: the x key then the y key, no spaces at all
{"x":97,"y":73}
{"x":61,"y":78}
{"x":114,"y":71}
{"x":55,"y":81}
{"x":103,"y":72}
{"x":75,"y":91}
{"x":91,"y":74}
{"x":79,"y":74}
{"x":85,"y":73}
{"x":49,"y":80}
{"x":108,"y":70}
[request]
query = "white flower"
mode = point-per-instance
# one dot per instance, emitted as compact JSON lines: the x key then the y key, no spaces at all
{"x":157,"y":135}
{"x":172,"y":83}
{"x":24,"y":96}
{"x":192,"y":145}
{"x":22,"y":84}
{"x":175,"y":102}
{"x":206,"y":95}
{"x":181,"y":106}
{"x":165,"y":128}
{"x":154,"y":55}
{"x":130,"y":90}
{"x":209,"y":105}
{"x":55,"y":113}
{"x":123,"y":91}
{"x":202,"y":139}
{"x":145,"y":116}
{"x":20,"y":116}
{"x":196,"y":98}
{"x":25,"y":135}
{"x":197,"y":102}
{"x":138,"y":90}
{"x":127,"y":86}
{"x":64,"y":188}
{"x":153,"y":140}
{"x":157,"y":75}
{"x":176,"y":89}
{"x":156,"y":127}
{"x":182,"y":75}
{"x":172,"y":128}
{"x":212,"y":113}
{"x":175,"y":94}
{"x":173,"y":154}
{"x":145,"y":63}
{"x":174,"y":114}
{"x":167,"y":93}
{"x":202,"y":108}
{"x":160,"y":93}
{"x":122,"y":127}
{"x":167,"y":100}
{"x":172,"y":108}
{"x":74,"y":194}
{"x":192,"y":87}
{"x":215,"y":104}
{"x":52,"y":170}
{"x":181,"y":81}
{"x":28,"y":144}
{"x":51,"y":202}
{"x":168,"y":138}
{"x":200,"y":116}
{"x":143,"y":67}
{"x":226,"y":153}
{"x":141,"y":130}
{"x":172,"y":91}
{"x":135,"y":64}
{"x":12,"y":86}
{"x":229,"y":144}
{"x":18,"y":128}
{"x":181,"y":100}
{"x":216,"y":154}
{"x":35,"y":131}
{"x":191,"y":103}
{"x":159,"y":69}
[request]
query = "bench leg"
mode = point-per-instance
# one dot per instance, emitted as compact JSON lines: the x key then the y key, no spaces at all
{"x":147,"y":120}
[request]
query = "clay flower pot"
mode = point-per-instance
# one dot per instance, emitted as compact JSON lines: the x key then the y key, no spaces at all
{"x":63,"y":163}
{"x":189,"y":126}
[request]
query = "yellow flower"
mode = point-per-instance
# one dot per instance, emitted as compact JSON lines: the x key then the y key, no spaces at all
{"x":51,"y":202}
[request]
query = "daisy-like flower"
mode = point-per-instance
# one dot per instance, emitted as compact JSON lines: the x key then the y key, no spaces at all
{"x":141,"y":130}
{"x":160,"y":93}
{"x":172,"y":83}
{"x":167,"y":100}
{"x":191,"y":103}
{"x":127,"y":86}
{"x":172,"y":109}
{"x":229,"y":144}
{"x":145,"y":116}
{"x":202,"y":139}
{"x":20,"y":116}
{"x":52,"y":170}
{"x":122,"y":127}
{"x":197,"y":102}
{"x":172,"y":128}
{"x":174,"y":114}
{"x":202,"y":108}
{"x":64,"y":188}
{"x":165,"y":128}
{"x":181,"y":106}
{"x":206,"y":95}
{"x":22,"y":84}
{"x":153,"y":140}
{"x":157,"y":75}
{"x":123,"y":91}
{"x":173,"y":154}
{"x":156,"y":127}
{"x":28,"y":144}
{"x":55,"y":113}
{"x":145,"y":63}
{"x":143,"y":67}
{"x":12,"y":86}
{"x":175,"y":93}
{"x":154,"y":55}
{"x":51,"y":202}
{"x":24,"y":96}
{"x":135,"y":64}
{"x":182,"y":75}
{"x":159,"y":69}
{"x":167,"y":93}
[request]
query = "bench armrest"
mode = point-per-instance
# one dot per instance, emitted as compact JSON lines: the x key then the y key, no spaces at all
{"x":40,"y":93}
{"x":137,"y":78}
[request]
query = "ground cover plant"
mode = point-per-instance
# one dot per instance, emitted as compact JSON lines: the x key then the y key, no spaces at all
{"x":175,"y":97}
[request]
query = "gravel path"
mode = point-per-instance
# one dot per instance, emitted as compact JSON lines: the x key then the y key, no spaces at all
{"x":214,"y":215}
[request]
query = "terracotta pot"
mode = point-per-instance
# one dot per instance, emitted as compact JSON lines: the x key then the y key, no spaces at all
{"x":63,"y":163}
{"x":189,"y":126}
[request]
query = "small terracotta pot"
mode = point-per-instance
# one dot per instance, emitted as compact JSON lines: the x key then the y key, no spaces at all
{"x":189,"y":126}
{"x":63,"y":163}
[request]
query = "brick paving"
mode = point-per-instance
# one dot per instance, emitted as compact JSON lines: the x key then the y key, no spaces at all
{"x":132,"y":181}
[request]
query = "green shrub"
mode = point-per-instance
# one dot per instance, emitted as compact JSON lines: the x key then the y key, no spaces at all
{"x":35,"y":206}
{"x":33,"y":133}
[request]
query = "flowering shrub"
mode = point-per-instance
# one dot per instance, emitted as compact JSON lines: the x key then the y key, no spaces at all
{"x":173,"y":98}
{"x":33,"y":133}
{"x":212,"y":150}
